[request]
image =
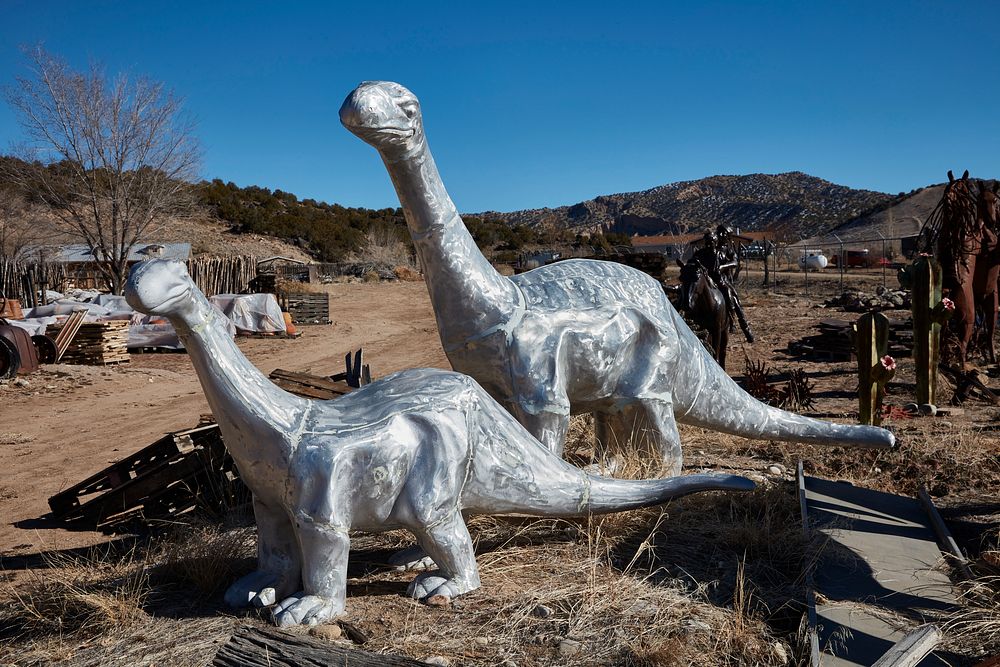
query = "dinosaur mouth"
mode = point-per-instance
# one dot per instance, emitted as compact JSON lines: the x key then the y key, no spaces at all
{"x":171,"y":298}
{"x":395,"y":131}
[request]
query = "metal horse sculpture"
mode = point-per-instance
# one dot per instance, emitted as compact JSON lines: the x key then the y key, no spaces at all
{"x":963,"y":231}
{"x":704,"y":303}
{"x":984,"y":285}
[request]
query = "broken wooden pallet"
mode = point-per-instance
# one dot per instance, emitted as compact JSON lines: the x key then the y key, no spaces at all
{"x":308,"y":385}
{"x":175,"y":474}
{"x":357,"y":374}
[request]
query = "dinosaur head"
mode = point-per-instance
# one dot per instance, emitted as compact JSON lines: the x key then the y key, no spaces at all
{"x":385,"y":115}
{"x":159,"y":287}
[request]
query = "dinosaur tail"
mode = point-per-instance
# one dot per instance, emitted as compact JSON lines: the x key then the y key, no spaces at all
{"x":713,"y":400}
{"x":604,"y":494}
{"x":513,"y":473}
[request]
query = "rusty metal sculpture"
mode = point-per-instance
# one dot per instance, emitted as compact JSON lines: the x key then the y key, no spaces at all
{"x":984,"y":285}
{"x":963,"y":230}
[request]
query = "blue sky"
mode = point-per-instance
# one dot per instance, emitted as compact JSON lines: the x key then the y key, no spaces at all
{"x":543,"y":104}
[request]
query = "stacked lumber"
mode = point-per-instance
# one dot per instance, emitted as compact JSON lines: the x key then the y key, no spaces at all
{"x":307,"y":307}
{"x":99,"y":343}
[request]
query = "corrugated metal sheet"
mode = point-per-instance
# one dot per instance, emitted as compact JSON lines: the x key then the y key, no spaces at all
{"x":79,"y":253}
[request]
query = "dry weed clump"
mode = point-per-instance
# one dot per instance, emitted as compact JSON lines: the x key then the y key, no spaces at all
{"x":383,"y":246}
{"x":204,"y":557}
{"x":79,"y":597}
{"x":976,"y":624}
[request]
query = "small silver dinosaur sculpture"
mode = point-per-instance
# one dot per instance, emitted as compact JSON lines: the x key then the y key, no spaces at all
{"x":573,"y":337}
{"x":416,"y":450}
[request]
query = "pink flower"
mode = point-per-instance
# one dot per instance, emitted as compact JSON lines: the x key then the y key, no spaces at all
{"x":947,"y":304}
{"x":888,"y":362}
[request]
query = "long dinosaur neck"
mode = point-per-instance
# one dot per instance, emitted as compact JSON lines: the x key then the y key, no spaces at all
{"x":468,"y":294}
{"x":239,"y":394}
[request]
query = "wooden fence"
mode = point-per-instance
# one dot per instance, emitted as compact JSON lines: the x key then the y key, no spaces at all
{"x":213,"y":275}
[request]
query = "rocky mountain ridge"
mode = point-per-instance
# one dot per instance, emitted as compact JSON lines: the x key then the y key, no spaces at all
{"x":794,"y":204}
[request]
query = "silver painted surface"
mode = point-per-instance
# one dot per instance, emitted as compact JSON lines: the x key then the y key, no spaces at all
{"x":413,"y":450}
{"x":573,"y":337}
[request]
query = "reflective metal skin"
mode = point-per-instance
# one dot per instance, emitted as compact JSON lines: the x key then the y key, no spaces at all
{"x":413,"y":450}
{"x":573,"y":337}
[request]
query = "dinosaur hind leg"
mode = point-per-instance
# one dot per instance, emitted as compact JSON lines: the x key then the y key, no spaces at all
{"x":448,"y":542}
{"x":655,"y":429}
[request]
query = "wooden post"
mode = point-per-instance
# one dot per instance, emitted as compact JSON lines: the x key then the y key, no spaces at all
{"x":925,"y":285}
{"x":872,"y":345}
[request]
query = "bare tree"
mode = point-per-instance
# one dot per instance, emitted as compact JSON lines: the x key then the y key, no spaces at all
{"x":16,"y":228}
{"x":113,"y":158}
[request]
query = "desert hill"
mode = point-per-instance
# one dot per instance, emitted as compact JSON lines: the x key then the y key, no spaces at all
{"x":796,"y":204}
{"x":902,"y":215}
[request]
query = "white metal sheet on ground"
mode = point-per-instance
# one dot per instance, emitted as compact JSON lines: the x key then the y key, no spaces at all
{"x":877,"y":574}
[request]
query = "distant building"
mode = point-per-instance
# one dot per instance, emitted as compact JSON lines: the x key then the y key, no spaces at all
{"x":79,"y":261}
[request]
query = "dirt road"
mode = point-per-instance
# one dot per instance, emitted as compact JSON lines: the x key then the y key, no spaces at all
{"x":72,"y":421}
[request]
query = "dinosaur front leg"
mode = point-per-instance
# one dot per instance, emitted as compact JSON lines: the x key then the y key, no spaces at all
{"x":278,"y":562}
{"x":324,"y":575}
{"x":447,"y":541}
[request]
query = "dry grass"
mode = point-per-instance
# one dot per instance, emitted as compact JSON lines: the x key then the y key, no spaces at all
{"x":977,"y":623}
{"x":383,"y":246}
{"x":92,"y":596}
{"x":204,"y":557}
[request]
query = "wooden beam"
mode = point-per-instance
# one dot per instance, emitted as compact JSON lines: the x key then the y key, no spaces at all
{"x":911,"y":649}
{"x":270,"y":647}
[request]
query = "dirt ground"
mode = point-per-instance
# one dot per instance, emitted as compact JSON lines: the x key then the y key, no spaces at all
{"x":71,"y":421}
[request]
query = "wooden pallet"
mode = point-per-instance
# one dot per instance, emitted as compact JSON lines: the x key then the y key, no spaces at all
{"x":175,"y":474}
{"x":307,"y":307}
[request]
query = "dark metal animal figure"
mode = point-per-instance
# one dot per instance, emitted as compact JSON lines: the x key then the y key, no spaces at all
{"x":984,"y":284}
{"x":703,"y":302}
{"x":954,"y":228}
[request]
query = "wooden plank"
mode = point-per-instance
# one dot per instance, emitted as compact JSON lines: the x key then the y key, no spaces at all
{"x":911,"y":649}
{"x":811,"y":630}
{"x":270,"y":647}
{"x":312,"y":381}
{"x":943,"y":534}
{"x":68,"y":332}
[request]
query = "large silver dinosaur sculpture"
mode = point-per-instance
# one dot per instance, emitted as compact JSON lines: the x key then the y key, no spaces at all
{"x":414,"y":450}
{"x":573,"y":337}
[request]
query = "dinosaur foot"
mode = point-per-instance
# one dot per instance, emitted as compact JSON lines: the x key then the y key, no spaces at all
{"x":302,"y":609}
{"x":259,"y":589}
{"x":411,"y":558}
{"x":435,"y":589}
